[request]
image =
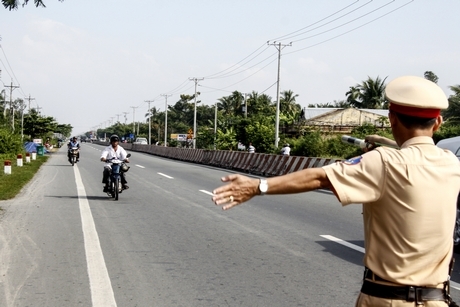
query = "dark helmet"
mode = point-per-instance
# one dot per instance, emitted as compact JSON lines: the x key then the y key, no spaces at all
{"x":114,"y":138}
{"x":74,"y":138}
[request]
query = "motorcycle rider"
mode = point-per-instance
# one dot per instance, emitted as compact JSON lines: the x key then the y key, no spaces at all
{"x":113,"y":151}
{"x":73,"y":143}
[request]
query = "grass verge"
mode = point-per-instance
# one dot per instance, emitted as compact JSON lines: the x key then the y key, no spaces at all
{"x":11,"y":184}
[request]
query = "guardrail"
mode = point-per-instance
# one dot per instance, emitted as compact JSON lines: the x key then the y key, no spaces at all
{"x":253,"y":163}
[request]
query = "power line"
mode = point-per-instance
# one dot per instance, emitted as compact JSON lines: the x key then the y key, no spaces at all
{"x":351,"y":29}
{"x":325,"y":18}
{"x":29,"y":99}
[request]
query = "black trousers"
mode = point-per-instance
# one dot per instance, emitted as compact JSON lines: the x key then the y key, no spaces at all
{"x":106,"y":174}
{"x":78,"y":155}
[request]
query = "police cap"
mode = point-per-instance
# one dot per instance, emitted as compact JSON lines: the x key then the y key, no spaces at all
{"x":415,"y":96}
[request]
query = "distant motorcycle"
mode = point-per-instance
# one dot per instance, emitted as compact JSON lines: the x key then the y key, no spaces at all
{"x":118,"y":167}
{"x":73,"y":152}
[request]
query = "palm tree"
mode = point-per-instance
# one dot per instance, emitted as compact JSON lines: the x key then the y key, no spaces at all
{"x":353,"y":95}
{"x":453,"y":111}
{"x":288,"y":102}
{"x":13,"y":4}
{"x":429,"y":75}
{"x":225,"y":105}
{"x":368,"y":95}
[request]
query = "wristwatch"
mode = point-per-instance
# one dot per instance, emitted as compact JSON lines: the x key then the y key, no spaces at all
{"x":263,"y":186}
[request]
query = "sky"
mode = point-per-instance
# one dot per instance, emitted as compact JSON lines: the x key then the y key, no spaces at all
{"x":90,"y":63}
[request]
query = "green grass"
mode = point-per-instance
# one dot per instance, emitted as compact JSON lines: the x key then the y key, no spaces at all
{"x":11,"y":184}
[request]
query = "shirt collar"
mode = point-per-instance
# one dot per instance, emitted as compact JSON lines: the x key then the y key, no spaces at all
{"x":418,"y":140}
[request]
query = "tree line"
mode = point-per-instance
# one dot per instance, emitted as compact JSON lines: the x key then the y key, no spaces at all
{"x":243,"y":118}
{"x":18,"y":127}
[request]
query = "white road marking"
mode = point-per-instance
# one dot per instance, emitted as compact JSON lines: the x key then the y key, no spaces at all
{"x":345,"y":243}
{"x":139,"y":166}
{"x":99,"y":281}
{"x":453,"y":284}
{"x":206,"y":192}
{"x":165,"y":175}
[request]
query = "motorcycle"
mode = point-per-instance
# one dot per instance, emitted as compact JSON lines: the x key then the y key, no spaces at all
{"x":73,"y":152}
{"x":114,"y":181}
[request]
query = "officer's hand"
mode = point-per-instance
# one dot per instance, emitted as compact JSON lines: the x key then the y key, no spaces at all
{"x":238,"y":190}
{"x":126,"y":160}
{"x":370,"y":142}
{"x":103,"y":159}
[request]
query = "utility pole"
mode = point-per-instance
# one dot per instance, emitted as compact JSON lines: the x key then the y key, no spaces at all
{"x":166,"y":117}
{"x":118,"y":117}
{"x":134,"y":112}
{"x":23,"y":106}
{"x":29,"y":99}
{"x":194,"y":114}
{"x":150,"y":120}
{"x":12,"y":87}
{"x":279,"y":47}
{"x":126,"y":118}
{"x":215,"y":125}
{"x":245,"y":105}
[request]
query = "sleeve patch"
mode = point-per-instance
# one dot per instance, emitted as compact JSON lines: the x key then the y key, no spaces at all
{"x":353,"y":161}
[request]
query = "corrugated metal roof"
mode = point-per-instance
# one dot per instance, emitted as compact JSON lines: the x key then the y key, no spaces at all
{"x":314,"y":112}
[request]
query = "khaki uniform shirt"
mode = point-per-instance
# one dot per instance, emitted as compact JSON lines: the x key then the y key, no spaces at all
{"x":409,"y":201}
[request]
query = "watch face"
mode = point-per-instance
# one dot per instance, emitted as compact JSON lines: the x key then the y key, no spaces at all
{"x":263,"y":186}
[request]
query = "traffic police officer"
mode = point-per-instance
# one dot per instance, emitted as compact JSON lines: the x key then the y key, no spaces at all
{"x":409,"y":200}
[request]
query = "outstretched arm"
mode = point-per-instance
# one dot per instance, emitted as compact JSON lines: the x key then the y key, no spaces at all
{"x":377,"y":139}
{"x":242,"y":188}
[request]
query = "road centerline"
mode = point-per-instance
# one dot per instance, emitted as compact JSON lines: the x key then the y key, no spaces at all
{"x":164,"y":175}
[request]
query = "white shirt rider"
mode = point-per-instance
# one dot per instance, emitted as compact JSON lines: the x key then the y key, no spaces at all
{"x":109,"y":152}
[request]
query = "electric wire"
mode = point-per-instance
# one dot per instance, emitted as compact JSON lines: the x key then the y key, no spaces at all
{"x":344,"y":24}
{"x":351,"y":30}
{"x":310,"y":25}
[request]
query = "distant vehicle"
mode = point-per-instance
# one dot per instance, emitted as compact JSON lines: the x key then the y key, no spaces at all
{"x":452,"y":144}
{"x":142,"y":141}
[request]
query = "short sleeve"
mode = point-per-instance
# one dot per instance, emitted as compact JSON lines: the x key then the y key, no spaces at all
{"x":359,"y":179}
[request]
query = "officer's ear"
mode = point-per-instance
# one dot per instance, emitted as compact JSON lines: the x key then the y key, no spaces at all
{"x":438,"y":123}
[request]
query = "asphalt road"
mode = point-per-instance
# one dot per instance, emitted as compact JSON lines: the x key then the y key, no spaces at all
{"x":63,"y":242}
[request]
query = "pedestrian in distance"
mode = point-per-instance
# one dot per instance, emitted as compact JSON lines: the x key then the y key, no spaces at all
{"x":251,"y":148}
{"x":286,"y":150}
{"x":409,"y":197}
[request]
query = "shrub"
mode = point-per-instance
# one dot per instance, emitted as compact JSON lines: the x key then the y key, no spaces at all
{"x":10,"y":143}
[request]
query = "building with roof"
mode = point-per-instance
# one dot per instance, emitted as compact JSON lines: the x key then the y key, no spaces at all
{"x":340,"y":119}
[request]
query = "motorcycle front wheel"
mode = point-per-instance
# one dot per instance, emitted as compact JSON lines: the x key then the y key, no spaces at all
{"x":116,"y":184}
